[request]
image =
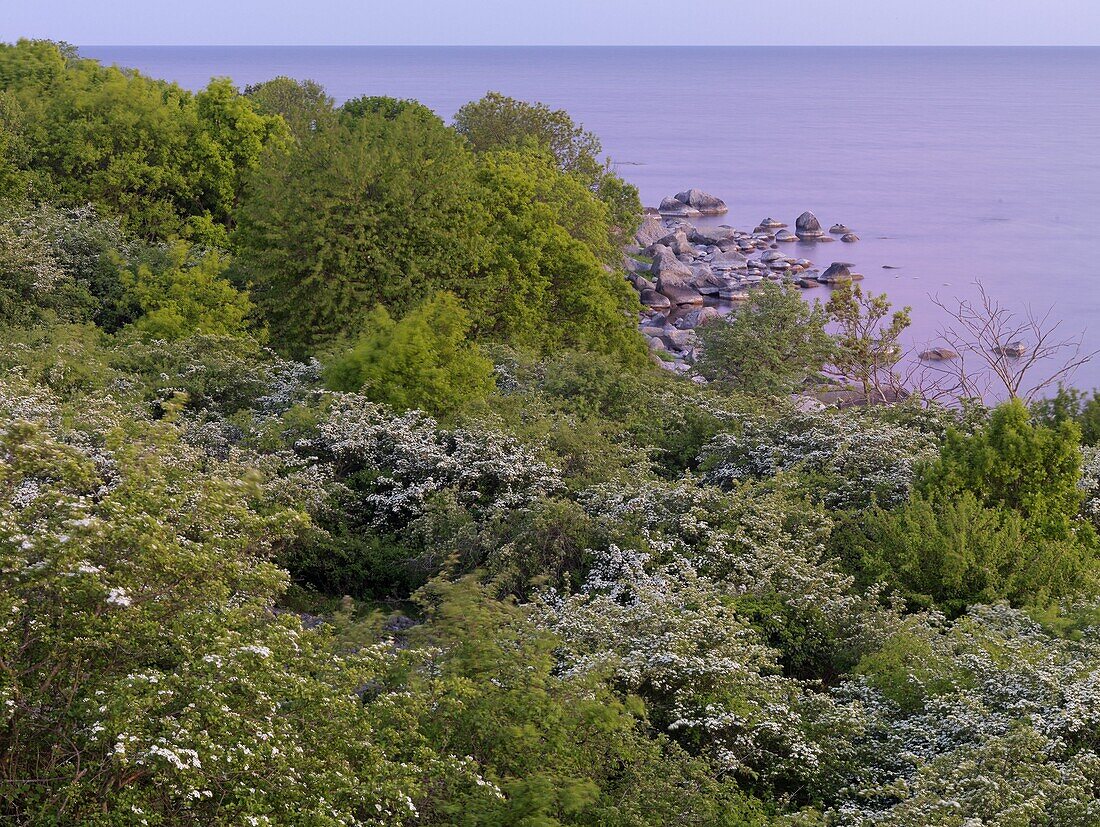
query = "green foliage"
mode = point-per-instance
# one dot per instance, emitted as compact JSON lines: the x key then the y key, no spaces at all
{"x":769,"y":347}
{"x":500,"y":122}
{"x":952,"y":553}
{"x":1014,"y":464}
{"x":550,"y":750}
{"x":166,"y":161}
{"x":377,"y":212}
{"x":35,"y":287}
{"x":186,"y":297}
{"x":384,"y":107}
{"x":422,"y":361}
{"x":1071,"y":405}
{"x":304,"y":105}
{"x":144,"y":673}
{"x":544,"y":287}
{"x":867,"y":346}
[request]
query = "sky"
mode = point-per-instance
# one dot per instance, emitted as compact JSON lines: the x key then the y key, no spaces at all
{"x":555,"y":22}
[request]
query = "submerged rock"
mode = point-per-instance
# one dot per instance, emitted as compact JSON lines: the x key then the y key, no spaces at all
{"x":1013,"y":350}
{"x":849,"y":238}
{"x":839,"y":229}
{"x":938,"y":354}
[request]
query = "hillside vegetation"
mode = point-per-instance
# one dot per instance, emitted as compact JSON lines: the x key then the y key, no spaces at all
{"x":338,"y":487}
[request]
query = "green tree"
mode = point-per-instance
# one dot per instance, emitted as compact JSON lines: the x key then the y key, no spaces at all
{"x":498,"y":121}
{"x":545,"y":288}
{"x":166,"y":161}
{"x":376,"y":212}
{"x":186,"y":296}
{"x":1013,"y":463}
{"x":867,"y":348}
{"x":422,"y":361}
{"x":1073,"y":405}
{"x":953,"y":553}
{"x":304,"y":105}
{"x":769,"y":346}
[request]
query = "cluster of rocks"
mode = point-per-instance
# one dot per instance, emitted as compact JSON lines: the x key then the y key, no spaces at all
{"x":693,"y":271}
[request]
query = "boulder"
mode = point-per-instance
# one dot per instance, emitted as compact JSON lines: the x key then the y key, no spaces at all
{"x":673,"y":206}
{"x":703,"y":276}
{"x":849,"y":238}
{"x":677,"y":241}
{"x":704,"y":202}
{"x":836,"y":273}
{"x":1013,"y":350}
{"x":640,"y":282}
{"x":807,"y":227}
{"x":651,"y":298}
{"x":711,"y":235}
{"x":728,"y":260}
{"x":650,"y":231}
{"x":698,"y":316}
{"x":773,"y":255}
{"x":771,"y":224}
{"x":938,"y":354}
{"x":808,"y":283}
{"x":785,"y":235}
{"x":665,"y":263}
{"x":678,"y":339}
{"x":839,"y":229}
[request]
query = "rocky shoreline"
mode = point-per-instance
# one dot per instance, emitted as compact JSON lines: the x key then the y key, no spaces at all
{"x":687,"y":275}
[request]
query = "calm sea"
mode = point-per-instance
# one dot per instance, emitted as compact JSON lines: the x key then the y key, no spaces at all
{"x":951,"y":164}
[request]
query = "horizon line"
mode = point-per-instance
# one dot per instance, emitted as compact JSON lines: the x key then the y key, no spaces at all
{"x":588,"y":45}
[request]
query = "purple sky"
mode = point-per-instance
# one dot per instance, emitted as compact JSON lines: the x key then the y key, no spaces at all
{"x":580,"y":22}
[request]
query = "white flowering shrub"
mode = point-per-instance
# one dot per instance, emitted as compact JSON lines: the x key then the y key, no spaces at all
{"x":666,"y":633}
{"x":846,"y":461}
{"x":990,"y":719}
{"x":144,"y":674}
{"x":1090,"y":484}
{"x":401,"y":461}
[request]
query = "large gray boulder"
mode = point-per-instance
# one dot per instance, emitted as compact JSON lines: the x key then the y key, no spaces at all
{"x":712,"y":235}
{"x":836,"y":273}
{"x":807,"y":227}
{"x":704,"y":202}
{"x":673,"y":206}
{"x":729,"y":260}
{"x":650,"y":231}
{"x":677,"y":241}
{"x":653,"y":299}
{"x":665,"y":263}
{"x":697,"y":316}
